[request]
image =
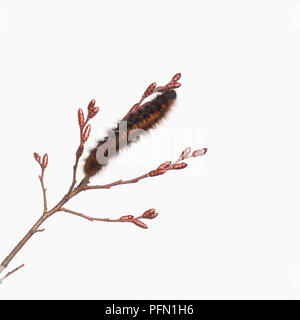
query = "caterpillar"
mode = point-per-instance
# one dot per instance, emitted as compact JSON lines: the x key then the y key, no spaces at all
{"x":146,"y":117}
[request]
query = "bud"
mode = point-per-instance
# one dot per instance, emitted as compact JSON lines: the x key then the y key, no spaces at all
{"x":185,"y":153}
{"x":153,"y":215}
{"x":140,"y":223}
{"x":173,"y":85}
{"x":148,"y":213}
{"x":176,"y":77}
{"x":91,"y":105}
{"x":45,"y":161}
{"x":179,"y":166}
{"x":79,"y":151}
{"x":150,"y":89}
{"x":86,"y":133}
{"x":92,"y":114}
{"x":37,"y":157}
{"x":80,"y":118}
{"x":165,"y":165}
{"x":199,"y":152}
{"x":125,"y":218}
{"x":157,"y":172}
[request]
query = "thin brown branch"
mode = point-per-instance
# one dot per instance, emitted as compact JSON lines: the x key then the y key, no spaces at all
{"x":161,"y":169}
{"x":128,"y":218}
{"x":74,"y":180}
{"x":78,"y":152}
{"x":41,"y":177}
{"x":116,"y":183}
{"x":77,"y":214}
{"x":152,"y":173}
{"x":40,"y":230}
{"x":11,"y":272}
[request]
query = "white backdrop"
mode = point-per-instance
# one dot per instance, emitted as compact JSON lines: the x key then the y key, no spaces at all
{"x":229,"y":223}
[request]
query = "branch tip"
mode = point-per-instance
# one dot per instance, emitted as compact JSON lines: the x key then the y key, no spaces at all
{"x":199,"y":152}
{"x":37,"y":158}
{"x":81,"y":120}
{"x":45,"y":161}
{"x":176,"y":77}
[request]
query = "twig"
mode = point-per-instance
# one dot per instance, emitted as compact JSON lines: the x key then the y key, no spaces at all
{"x":116,"y":183}
{"x":128,"y":218}
{"x":43,"y":164}
{"x":40,"y":230}
{"x":11,"y":272}
{"x":82,"y":127}
{"x":44,"y":190}
{"x":161,"y":169}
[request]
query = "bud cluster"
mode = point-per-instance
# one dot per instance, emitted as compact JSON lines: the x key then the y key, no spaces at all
{"x":44,"y":161}
{"x":84,"y":133}
{"x":152,"y":88}
{"x":150,"y":214}
{"x":92,"y":110}
{"x":199,"y":152}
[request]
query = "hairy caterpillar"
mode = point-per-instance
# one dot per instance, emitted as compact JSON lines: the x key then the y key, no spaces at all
{"x":145,"y":117}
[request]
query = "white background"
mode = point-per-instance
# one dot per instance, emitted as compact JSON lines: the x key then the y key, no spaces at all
{"x":229,"y":223}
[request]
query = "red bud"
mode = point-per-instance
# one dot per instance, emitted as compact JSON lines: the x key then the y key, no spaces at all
{"x":96,"y":109}
{"x":92,"y":114}
{"x":173,"y":85}
{"x":86,"y":133}
{"x":165,"y":165}
{"x":157,"y":172}
{"x":181,"y":165}
{"x":176,"y":77}
{"x":150,"y":89}
{"x":148,"y":213}
{"x":37,"y":157}
{"x":124,"y":218}
{"x":140,"y":223}
{"x":45,"y":161}
{"x":185,"y":153}
{"x":91,"y":105}
{"x":80,"y":118}
{"x":153,"y":215}
{"x":199,"y":152}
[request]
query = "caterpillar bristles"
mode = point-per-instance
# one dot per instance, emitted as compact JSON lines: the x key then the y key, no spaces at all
{"x":146,"y":117}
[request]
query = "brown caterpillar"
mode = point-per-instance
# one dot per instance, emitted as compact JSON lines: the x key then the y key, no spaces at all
{"x":145,"y":117}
